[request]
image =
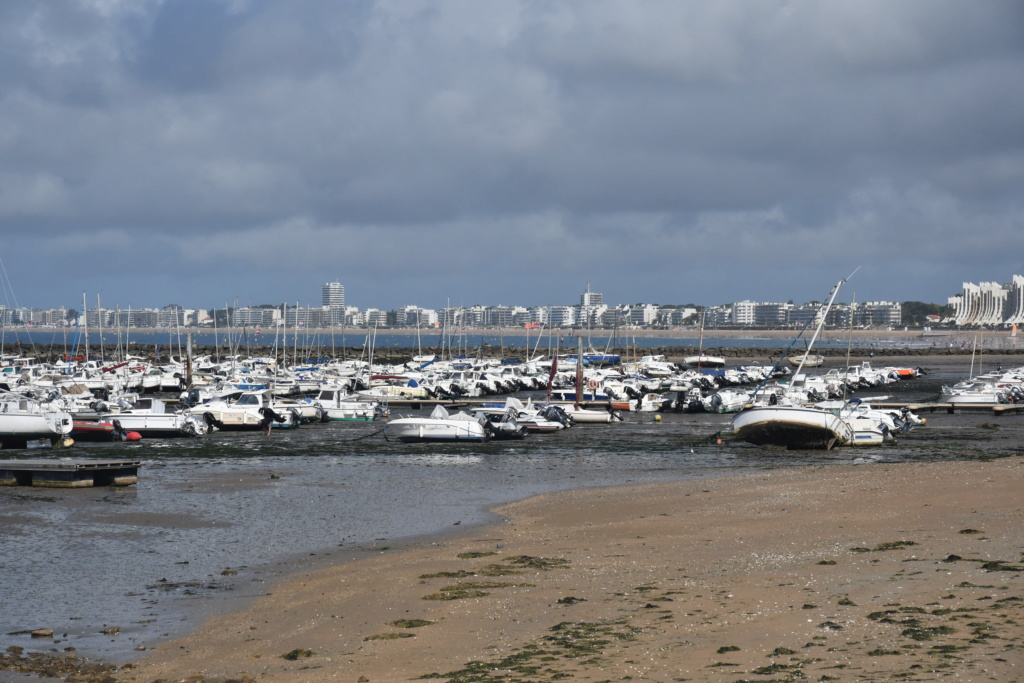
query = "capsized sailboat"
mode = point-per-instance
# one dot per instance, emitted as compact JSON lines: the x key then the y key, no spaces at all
{"x":785,"y":422}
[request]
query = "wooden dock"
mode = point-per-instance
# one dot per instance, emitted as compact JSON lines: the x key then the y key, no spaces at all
{"x":69,"y":473}
{"x":996,"y":409}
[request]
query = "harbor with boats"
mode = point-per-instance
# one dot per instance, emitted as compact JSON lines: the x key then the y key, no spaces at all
{"x":111,"y":394}
{"x":221,"y":508}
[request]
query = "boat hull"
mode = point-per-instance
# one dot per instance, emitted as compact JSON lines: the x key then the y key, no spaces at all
{"x":92,"y":430}
{"x":587,"y":416}
{"x":413,"y":429}
{"x":17,"y":429}
{"x":705,"y":361}
{"x":792,"y":427}
{"x":349,"y":415}
{"x":167,"y":425}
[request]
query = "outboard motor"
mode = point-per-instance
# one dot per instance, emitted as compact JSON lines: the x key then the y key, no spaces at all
{"x":556,"y":414}
{"x":211,"y":422}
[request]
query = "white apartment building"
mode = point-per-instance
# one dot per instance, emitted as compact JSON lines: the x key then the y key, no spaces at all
{"x":989,"y":303}
{"x":743,"y":313}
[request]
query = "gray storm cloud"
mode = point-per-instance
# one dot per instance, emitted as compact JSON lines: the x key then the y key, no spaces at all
{"x":509,"y":152}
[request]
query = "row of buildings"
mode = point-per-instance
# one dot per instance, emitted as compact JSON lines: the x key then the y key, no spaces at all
{"x":591,"y":313}
{"x":990,"y":303}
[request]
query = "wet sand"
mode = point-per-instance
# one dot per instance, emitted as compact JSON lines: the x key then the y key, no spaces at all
{"x":876,"y":572}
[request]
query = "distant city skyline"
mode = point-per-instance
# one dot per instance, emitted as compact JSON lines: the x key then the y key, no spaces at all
{"x":987,"y":303}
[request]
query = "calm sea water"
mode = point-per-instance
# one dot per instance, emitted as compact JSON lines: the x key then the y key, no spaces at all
{"x":151,"y":558}
{"x":324,"y":341}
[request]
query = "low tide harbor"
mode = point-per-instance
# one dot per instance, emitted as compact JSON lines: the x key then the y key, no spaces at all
{"x":69,"y":473}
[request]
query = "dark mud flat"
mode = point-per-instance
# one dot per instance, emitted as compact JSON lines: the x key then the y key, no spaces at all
{"x":217,"y":521}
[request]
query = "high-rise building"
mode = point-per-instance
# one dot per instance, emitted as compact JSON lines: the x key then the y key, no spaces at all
{"x":333,"y":294}
{"x":588,"y":298}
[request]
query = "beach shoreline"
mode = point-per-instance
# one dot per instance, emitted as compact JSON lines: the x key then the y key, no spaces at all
{"x":872,"y":570}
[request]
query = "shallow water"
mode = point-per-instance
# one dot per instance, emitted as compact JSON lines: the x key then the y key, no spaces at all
{"x":151,"y":559}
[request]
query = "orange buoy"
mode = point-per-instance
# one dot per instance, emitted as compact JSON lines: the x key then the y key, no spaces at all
{"x":133,"y":436}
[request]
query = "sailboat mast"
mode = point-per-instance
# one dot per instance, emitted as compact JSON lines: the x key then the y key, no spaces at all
{"x":99,"y":321}
{"x":579,"y":369}
{"x":85,"y":317}
{"x":817,"y":331}
{"x":700,"y":339}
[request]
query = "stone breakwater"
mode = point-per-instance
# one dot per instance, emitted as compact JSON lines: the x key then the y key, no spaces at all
{"x":399,"y":355}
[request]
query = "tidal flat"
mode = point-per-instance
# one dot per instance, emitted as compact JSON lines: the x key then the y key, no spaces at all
{"x":216,"y":524}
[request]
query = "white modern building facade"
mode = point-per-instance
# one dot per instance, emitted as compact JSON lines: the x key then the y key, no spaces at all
{"x":332,"y":294}
{"x":989,"y":303}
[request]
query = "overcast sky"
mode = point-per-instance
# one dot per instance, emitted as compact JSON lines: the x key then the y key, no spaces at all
{"x":501,"y":152}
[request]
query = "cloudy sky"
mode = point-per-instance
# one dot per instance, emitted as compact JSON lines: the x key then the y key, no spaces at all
{"x":508,"y":152}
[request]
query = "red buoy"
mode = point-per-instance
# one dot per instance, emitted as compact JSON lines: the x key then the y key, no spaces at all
{"x":133,"y":436}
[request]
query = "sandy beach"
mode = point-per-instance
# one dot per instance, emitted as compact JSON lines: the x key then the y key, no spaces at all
{"x":877,"y":572}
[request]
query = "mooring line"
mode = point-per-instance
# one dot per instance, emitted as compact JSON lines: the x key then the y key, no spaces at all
{"x":367,"y":436}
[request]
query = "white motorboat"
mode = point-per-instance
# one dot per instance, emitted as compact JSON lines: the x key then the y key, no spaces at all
{"x":440,"y":426}
{"x":727,"y":400}
{"x":341,"y":406}
{"x":406,"y":389}
{"x":547,"y":418}
{"x":247,"y":413}
{"x":808,"y":360}
{"x":872,"y":427}
{"x":976,"y":394}
{"x":703,"y":360}
{"x":150,"y":417}
{"x":649,"y":402}
{"x":581,"y":415}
